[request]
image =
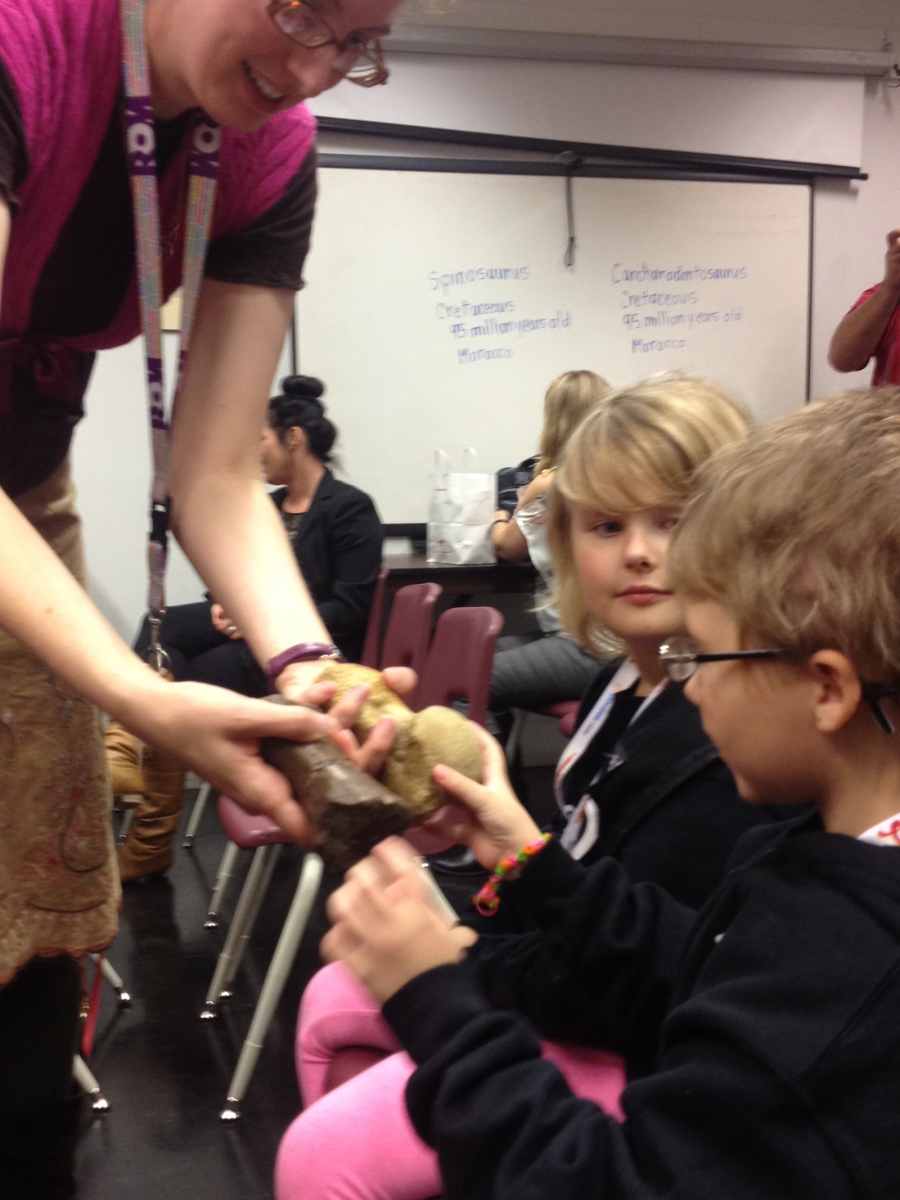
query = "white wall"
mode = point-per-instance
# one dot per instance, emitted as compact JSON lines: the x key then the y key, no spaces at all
{"x":801,"y":118}
{"x":111,"y":464}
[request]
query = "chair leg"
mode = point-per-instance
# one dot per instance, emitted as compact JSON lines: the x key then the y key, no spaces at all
{"x":128,"y":804}
{"x":247,"y":905}
{"x":114,"y":979}
{"x":223,"y":879}
{"x":86,"y":1081}
{"x":196,"y":816}
{"x":260,"y":895}
{"x":276,"y":976}
{"x":513,"y":747}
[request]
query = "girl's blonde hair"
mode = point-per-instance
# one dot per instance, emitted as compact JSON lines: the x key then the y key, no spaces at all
{"x":568,"y":399}
{"x":639,"y":446}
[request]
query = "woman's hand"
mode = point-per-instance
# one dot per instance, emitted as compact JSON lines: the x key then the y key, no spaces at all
{"x":385,"y":926}
{"x":892,"y":262}
{"x":217,"y":732}
{"x":496,"y":824}
{"x":371,"y":755}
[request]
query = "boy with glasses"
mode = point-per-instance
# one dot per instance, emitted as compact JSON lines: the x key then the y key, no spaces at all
{"x":773,"y":1010}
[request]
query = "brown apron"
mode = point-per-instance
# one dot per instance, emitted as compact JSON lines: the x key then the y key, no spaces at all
{"x":59,"y":888}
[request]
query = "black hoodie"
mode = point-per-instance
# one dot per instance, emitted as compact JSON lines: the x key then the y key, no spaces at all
{"x":669,"y":812}
{"x":774,"y":1014}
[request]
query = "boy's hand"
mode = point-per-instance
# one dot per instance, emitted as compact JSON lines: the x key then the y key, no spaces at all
{"x":496,"y":824}
{"x":386,"y":928}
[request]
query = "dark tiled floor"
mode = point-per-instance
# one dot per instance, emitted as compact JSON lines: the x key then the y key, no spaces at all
{"x":165,"y":1071}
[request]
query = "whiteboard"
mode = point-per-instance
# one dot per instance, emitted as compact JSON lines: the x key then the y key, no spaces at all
{"x":439,"y":307}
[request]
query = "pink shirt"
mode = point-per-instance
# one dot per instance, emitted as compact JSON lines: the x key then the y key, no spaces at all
{"x":887,"y":352}
{"x":65,"y":59}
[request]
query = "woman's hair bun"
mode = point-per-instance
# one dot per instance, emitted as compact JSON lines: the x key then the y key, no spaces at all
{"x":306,"y":386}
{"x":299,"y":405}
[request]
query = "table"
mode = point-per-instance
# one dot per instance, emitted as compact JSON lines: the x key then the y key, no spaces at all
{"x":460,"y":582}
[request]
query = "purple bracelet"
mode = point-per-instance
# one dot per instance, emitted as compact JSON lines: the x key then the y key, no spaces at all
{"x":302,"y":652}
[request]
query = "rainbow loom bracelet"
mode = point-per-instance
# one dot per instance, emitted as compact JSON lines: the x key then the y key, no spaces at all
{"x":486,"y":900}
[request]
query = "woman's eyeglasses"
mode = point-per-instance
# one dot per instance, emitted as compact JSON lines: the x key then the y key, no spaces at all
{"x":359,"y":59}
{"x":681,"y":659}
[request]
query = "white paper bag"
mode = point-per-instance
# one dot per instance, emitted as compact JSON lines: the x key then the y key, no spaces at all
{"x":460,"y":512}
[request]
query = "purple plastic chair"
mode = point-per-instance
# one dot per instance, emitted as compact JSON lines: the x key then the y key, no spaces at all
{"x":251,"y":831}
{"x":373,"y":629}
{"x":458,"y":666}
{"x":408,"y":632}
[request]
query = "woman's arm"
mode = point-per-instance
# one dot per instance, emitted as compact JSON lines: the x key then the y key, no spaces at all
{"x":857,"y":336}
{"x":506,"y":537}
{"x":214,"y":731}
{"x":44,"y":607}
{"x":221,"y":514}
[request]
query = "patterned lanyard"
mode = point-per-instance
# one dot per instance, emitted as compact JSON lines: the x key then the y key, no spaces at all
{"x":626,"y":677}
{"x":203,"y":170}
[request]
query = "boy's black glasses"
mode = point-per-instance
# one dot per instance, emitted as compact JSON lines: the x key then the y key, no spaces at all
{"x":681,"y":658}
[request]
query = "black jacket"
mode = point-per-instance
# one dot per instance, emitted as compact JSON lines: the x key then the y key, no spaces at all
{"x":773,"y":1011}
{"x":338,"y":550}
{"x":670,"y":812}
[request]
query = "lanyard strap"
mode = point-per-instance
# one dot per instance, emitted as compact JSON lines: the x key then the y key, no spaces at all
{"x":626,"y":676}
{"x":203,"y":169}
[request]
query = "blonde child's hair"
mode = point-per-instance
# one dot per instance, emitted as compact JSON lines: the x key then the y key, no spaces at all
{"x":796,"y":533}
{"x":639,"y":446}
{"x":567,"y":400}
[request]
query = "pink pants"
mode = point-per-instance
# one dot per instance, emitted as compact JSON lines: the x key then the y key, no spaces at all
{"x":357,"y":1142}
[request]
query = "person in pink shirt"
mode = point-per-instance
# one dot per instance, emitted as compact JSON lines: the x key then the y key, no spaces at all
{"x":871,"y":329}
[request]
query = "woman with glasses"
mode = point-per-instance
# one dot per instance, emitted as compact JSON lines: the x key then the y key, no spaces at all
{"x":143,"y":143}
{"x":639,"y":782}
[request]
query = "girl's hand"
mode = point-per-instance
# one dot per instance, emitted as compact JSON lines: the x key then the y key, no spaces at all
{"x":385,"y":927}
{"x":496,"y":824}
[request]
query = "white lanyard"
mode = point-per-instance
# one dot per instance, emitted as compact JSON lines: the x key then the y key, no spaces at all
{"x":202,"y":171}
{"x":626,"y":677}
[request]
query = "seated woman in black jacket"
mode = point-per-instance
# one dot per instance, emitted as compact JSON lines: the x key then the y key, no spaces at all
{"x":335,"y":532}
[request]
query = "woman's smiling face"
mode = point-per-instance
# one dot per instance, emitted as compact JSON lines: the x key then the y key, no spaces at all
{"x":229,"y":57}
